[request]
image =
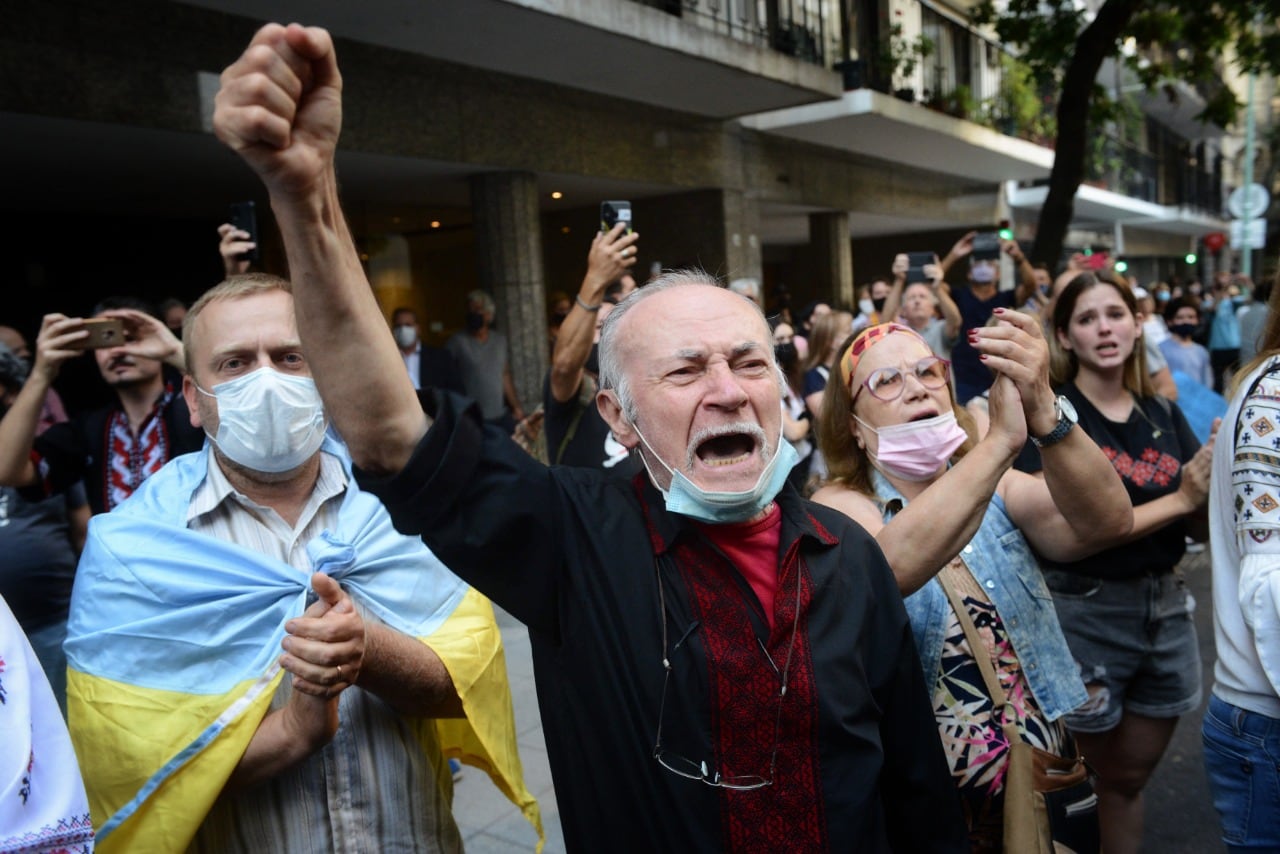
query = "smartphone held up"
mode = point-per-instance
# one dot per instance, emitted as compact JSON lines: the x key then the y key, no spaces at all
{"x":612,"y":213}
{"x":245,"y":218}
{"x":104,"y":332}
{"x":916,"y":262}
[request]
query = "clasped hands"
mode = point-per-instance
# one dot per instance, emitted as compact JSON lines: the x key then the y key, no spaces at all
{"x":324,"y":648}
{"x":1021,"y":398}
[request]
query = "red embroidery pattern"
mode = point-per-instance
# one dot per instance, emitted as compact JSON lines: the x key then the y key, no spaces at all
{"x":132,"y":459}
{"x":787,"y":816}
{"x":1153,"y":467}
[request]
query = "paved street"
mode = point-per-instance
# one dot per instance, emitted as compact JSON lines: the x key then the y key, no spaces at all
{"x":1180,"y":817}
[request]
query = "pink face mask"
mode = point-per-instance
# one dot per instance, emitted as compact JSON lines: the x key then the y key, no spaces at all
{"x":916,"y":450}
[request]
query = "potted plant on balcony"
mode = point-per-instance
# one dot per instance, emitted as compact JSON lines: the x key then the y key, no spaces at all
{"x":897,"y":59}
{"x":1016,"y":107}
{"x":959,"y":102}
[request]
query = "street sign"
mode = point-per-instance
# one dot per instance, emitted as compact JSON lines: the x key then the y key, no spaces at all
{"x":1248,"y":233}
{"x":1250,"y":200}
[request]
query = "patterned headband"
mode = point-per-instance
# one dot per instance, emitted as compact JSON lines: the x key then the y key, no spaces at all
{"x":866,"y":339}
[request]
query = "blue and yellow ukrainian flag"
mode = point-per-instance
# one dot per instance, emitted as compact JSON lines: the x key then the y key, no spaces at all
{"x":173,"y":643}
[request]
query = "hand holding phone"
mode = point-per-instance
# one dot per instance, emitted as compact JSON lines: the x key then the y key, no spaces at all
{"x":104,"y":332}
{"x":612,"y":213}
{"x":986,"y":246}
{"x":1097,"y":261}
{"x":917,"y":261}
{"x":245,"y":219}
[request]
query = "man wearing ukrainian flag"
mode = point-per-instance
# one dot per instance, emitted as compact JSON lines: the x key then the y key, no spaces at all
{"x":258,"y":661}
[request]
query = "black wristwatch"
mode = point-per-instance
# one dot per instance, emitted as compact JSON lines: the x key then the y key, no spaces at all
{"x":1067,"y":419}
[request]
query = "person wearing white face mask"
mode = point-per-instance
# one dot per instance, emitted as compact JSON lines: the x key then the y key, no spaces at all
{"x":260,"y":542}
{"x":949,"y":512}
{"x":977,"y":302}
{"x":428,"y":367}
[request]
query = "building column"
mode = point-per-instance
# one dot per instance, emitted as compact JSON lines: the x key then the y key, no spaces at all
{"x":504,"y":211}
{"x":743,"y":257}
{"x":832,"y":257}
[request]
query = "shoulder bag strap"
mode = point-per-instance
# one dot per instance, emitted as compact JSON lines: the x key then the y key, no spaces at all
{"x":976,"y":647}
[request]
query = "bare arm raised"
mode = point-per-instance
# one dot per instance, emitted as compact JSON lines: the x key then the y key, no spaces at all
{"x":280,"y":108}
{"x":55,"y":346}
{"x":610,"y":255}
{"x":932,"y":529}
{"x":1080,"y":506}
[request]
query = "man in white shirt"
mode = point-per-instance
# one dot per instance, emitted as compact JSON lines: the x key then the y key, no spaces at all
{"x":339,"y":759}
{"x":428,"y":367}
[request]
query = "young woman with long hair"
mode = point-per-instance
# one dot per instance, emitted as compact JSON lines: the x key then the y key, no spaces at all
{"x":1125,"y":611}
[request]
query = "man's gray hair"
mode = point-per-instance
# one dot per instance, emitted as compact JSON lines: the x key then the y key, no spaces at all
{"x":482,"y":297}
{"x":747,"y":287}
{"x":612,"y":375}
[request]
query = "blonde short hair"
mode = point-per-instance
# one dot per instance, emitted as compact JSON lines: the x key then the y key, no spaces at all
{"x":235,"y":287}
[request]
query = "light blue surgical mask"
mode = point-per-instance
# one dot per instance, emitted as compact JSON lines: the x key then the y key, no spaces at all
{"x":268,"y":421}
{"x":685,"y":497}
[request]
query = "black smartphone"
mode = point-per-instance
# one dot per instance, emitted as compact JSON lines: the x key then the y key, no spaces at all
{"x":612,"y":213}
{"x":986,"y":246}
{"x":916,"y":262}
{"x":245,"y":219}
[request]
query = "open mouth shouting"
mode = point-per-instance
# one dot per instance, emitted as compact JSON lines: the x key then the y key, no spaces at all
{"x":726,"y":445}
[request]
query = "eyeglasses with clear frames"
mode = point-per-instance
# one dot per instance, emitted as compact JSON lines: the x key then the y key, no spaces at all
{"x":887,"y":384}
{"x":700,"y":771}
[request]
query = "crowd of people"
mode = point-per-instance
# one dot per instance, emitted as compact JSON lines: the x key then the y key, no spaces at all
{"x":792,"y":582}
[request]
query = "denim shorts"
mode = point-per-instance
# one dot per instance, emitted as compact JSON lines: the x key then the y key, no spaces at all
{"x":1242,"y":760}
{"x":1135,"y":638}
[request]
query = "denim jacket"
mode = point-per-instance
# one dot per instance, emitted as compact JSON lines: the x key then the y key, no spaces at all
{"x":1002,"y":563}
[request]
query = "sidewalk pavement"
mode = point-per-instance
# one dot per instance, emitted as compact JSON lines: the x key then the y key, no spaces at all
{"x":1180,"y":815}
{"x":490,"y":823}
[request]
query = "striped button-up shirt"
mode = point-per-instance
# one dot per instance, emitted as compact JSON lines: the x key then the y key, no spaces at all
{"x":372,"y":788}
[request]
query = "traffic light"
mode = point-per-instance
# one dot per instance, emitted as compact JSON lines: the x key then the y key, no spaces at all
{"x":1191,"y":258}
{"x":1121,"y":266}
{"x":1005,"y":230}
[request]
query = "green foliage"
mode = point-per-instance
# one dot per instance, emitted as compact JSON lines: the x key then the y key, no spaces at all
{"x":1019,"y":106}
{"x":1163,"y":41}
{"x":898,"y":56}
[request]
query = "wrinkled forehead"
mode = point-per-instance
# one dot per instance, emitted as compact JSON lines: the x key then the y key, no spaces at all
{"x":689,"y":317}
{"x":223,"y":321}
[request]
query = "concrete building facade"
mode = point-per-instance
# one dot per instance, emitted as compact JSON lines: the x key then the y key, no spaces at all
{"x":480,"y":136}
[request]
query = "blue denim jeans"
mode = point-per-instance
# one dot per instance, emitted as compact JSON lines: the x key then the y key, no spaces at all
{"x":1242,"y":760}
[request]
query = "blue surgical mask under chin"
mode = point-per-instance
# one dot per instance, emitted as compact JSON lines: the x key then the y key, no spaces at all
{"x":685,"y":497}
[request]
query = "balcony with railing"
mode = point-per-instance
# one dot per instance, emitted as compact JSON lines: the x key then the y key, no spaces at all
{"x":808,"y":30}
{"x":1175,"y":179}
{"x":715,"y":58}
{"x":977,"y":97}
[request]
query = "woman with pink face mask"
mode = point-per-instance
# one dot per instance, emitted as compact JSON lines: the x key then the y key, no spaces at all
{"x":945,"y":506}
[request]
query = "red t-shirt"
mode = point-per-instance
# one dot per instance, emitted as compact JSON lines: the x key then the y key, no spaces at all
{"x":753,"y":548}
